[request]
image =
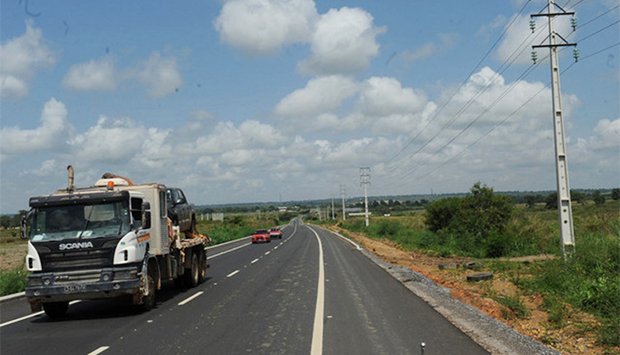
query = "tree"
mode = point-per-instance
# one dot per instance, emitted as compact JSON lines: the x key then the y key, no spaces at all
{"x":615,"y":194}
{"x":577,"y":196}
{"x":530,"y":201}
{"x":551,"y":201}
{"x":598,"y":198}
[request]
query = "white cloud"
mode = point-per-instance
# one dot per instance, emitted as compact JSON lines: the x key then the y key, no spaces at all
{"x":109,"y":141}
{"x":264,"y":26}
{"x":50,"y":133}
{"x":344,"y":42}
{"x":160,"y":76}
{"x":320,"y":95}
{"x":606,"y":135}
{"x":92,"y":75}
{"x":382,"y":96}
{"x":20,"y":58}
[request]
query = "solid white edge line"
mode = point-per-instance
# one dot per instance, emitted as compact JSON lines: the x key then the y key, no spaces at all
{"x":317,"y":329}
{"x":232,"y":273}
{"x":188,"y":299}
{"x":343,"y":237}
{"x":99,"y":350}
{"x":253,"y":261}
{"x":30,"y":316}
{"x":228,"y":242}
{"x":21,"y":319}
{"x":228,"y":251}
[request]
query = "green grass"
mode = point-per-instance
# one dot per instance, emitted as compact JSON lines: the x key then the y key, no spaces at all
{"x":514,"y":306}
{"x":12,"y":281}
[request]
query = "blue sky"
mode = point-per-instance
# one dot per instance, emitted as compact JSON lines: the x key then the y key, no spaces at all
{"x":250,"y":100}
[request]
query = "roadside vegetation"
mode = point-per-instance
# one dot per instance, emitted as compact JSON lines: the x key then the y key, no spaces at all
{"x":491,"y":228}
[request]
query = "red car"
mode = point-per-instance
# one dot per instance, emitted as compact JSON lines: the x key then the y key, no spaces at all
{"x":261,"y":235}
{"x":275,"y":232}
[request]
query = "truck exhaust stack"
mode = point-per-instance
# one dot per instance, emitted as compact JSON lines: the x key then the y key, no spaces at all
{"x":70,"y":179}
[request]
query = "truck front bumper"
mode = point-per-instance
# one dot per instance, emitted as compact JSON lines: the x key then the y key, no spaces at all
{"x":82,"y":284}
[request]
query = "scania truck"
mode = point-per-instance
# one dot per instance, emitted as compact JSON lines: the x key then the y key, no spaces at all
{"x":111,"y":239}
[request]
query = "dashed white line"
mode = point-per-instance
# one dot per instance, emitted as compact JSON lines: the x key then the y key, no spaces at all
{"x":190,"y":298}
{"x":253,"y":261}
{"x":232,"y":273}
{"x":267,"y":252}
{"x":99,"y":350}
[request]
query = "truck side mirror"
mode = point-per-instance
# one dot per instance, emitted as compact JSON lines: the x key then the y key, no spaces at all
{"x":146,"y":215}
{"x":24,"y":223}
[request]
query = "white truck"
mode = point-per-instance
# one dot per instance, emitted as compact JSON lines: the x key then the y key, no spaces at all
{"x":109,"y":240}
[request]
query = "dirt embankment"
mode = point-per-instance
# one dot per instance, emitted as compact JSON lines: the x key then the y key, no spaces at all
{"x":574,"y":337}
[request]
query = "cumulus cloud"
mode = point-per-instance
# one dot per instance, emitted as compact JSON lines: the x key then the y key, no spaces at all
{"x":264,"y":26}
{"x":20,"y":58}
{"x":344,"y":41}
{"x":320,"y":95}
{"x":50,"y":134}
{"x":92,"y":75}
{"x":382,"y":96}
{"x":110,"y":140}
{"x":160,"y":75}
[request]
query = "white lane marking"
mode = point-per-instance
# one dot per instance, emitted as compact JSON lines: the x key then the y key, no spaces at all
{"x":30,"y":316}
{"x":232,"y":273}
{"x":228,"y":242}
{"x":275,"y":248}
{"x":317,"y":330}
{"x":253,"y":261}
{"x":99,"y":350}
{"x":267,"y":252}
{"x":190,"y":298}
{"x":228,"y":251}
{"x":345,"y":238}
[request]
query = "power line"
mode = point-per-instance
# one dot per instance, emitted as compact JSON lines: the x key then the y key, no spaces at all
{"x":599,"y":31}
{"x":445,"y":103}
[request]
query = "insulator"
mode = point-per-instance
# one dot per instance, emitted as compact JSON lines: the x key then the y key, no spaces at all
{"x":576,"y":54}
{"x":532,"y":25}
{"x":534,"y":56}
{"x":573,"y":23}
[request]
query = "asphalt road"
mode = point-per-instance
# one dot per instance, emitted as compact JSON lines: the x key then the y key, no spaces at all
{"x":271,"y":298}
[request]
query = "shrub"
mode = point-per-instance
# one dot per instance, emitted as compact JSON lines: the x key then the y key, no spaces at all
{"x":440,"y":213}
{"x":476,"y":223}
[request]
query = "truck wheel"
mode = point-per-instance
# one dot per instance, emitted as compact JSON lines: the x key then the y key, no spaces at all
{"x":148,"y":300}
{"x":202,"y":277}
{"x":192,"y":275}
{"x":56,"y":309}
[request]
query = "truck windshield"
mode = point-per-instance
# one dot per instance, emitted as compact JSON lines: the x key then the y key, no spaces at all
{"x":80,"y":221}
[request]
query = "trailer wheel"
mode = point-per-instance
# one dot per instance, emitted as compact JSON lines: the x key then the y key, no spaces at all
{"x":56,"y":309}
{"x":192,"y":275}
{"x":202,"y":277}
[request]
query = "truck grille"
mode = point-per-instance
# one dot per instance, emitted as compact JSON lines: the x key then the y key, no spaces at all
{"x":98,"y":258}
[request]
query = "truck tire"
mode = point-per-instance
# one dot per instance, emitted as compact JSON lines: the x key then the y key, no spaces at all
{"x":56,"y":309}
{"x":202,"y":275}
{"x":148,"y":300}
{"x":192,"y":274}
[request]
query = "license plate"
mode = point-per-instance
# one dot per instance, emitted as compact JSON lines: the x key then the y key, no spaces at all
{"x":74,"y":288}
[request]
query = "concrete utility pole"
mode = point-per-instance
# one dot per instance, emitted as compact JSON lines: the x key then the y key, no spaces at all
{"x":365,"y":181}
{"x":343,"y":193}
{"x":333,"y":211}
{"x":561,"y":165}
